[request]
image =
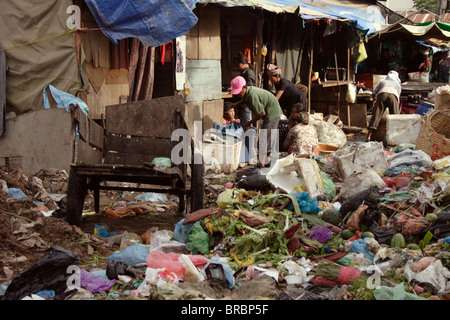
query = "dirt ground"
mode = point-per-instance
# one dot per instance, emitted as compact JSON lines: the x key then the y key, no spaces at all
{"x":26,"y":233}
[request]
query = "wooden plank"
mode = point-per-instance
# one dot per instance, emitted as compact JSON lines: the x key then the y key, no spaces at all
{"x":139,"y":145}
{"x":150,"y":118}
{"x":209,"y":41}
{"x":192,"y":43}
{"x":96,"y":76}
{"x":109,"y":94}
{"x":117,"y":76}
{"x":128,"y":158}
{"x":83,"y":129}
{"x":205,"y":78}
{"x":86,"y":154}
{"x":96,"y":134}
{"x":212,"y":112}
{"x":357,"y":114}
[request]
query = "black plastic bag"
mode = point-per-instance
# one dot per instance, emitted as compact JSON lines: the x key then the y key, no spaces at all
{"x":369,"y":197}
{"x":383,"y":236}
{"x":50,"y":272}
{"x":116,"y":268}
{"x":253,"y":179}
{"x":440,"y":227}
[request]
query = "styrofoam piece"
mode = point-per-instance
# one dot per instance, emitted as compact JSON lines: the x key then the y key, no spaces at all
{"x":353,"y":159}
{"x":290,"y":173}
{"x":402,"y":128}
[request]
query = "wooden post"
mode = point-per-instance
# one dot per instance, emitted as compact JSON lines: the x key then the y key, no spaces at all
{"x":310,"y":67}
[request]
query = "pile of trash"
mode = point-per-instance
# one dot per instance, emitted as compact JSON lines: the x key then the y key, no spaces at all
{"x":361,"y":223}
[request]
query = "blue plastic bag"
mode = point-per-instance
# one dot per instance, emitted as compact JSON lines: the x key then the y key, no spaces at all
{"x":182,"y":231}
{"x":131,"y":255}
{"x":359,"y":246}
{"x":305,"y":204}
{"x":17,"y":194}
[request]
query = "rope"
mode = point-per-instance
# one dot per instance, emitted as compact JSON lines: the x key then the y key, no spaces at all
{"x":66,"y":33}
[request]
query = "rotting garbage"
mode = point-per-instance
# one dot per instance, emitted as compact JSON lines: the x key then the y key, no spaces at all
{"x":386,"y":240}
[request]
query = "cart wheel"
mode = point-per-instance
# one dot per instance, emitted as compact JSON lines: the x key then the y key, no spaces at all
{"x":76,"y":191}
{"x":198,"y":184}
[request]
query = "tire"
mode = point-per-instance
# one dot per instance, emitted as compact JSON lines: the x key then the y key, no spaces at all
{"x":197,"y":184}
{"x":76,"y":191}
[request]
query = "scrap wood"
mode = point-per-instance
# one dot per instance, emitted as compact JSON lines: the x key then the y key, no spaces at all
{"x":404,"y":212}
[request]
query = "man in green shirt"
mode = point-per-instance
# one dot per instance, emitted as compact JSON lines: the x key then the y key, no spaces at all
{"x":265,"y":106}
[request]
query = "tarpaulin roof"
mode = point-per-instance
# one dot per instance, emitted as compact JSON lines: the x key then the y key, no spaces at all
{"x":366,"y":17}
{"x":436,"y":33}
{"x":154,"y":22}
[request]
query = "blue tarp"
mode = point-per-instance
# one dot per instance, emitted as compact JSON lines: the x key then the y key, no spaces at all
{"x":154,"y":22}
{"x":364,"y":17}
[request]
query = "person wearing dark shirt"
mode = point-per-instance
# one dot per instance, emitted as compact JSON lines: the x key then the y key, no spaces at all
{"x":246,"y":70}
{"x":249,"y":75}
{"x":287,"y":92}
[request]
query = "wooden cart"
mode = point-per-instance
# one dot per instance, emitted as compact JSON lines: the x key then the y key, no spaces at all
{"x":118,"y":155}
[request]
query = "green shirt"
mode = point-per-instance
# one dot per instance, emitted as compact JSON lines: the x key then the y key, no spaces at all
{"x":258,"y":99}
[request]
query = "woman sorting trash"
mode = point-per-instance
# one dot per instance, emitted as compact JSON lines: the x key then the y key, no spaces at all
{"x":302,"y":139}
{"x":264,"y":106}
{"x":286,"y":92}
{"x":386,"y":95}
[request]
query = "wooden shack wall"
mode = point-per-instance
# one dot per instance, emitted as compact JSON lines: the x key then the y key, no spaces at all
{"x":203,"y":69}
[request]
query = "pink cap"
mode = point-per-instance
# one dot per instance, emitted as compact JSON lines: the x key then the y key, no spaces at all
{"x":237,"y":84}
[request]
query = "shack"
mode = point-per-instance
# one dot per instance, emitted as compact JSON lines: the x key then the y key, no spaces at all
{"x":101,"y":56}
{"x":415,"y":51}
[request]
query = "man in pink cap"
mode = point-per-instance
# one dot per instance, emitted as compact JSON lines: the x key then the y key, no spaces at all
{"x":265,"y":106}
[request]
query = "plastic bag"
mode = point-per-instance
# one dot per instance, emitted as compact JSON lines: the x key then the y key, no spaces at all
{"x":171,"y":262}
{"x":103,"y":232}
{"x":49,"y":272}
{"x":360,"y":246}
{"x":17,"y":194}
{"x":198,"y":240}
{"x":350,"y":96}
{"x":369,"y":197}
{"x":151,"y":196}
{"x":329,"y":187}
{"x":396,"y":293}
{"x":217,"y":269}
{"x":360,"y":181}
{"x":305,"y":203}
{"x":131,"y":255}
{"x":320,"y":233}
{"x":95,"y":283}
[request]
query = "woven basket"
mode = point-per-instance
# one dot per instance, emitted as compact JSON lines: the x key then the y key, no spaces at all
{"x":434,"y":135}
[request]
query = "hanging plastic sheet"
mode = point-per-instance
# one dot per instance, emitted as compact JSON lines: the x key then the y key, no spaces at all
{"x":154,"y":22}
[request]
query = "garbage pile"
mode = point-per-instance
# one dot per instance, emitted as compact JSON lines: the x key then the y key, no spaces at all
{"x":361,"y":223}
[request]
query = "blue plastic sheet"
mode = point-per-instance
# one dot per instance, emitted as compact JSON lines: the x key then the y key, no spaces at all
{"x":154,"y":22}
{"x":63,"y":100}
